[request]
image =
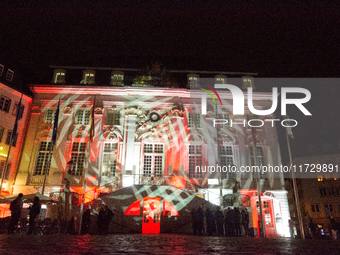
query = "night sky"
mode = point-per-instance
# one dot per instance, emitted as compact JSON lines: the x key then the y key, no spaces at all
{"x":274,"y":40}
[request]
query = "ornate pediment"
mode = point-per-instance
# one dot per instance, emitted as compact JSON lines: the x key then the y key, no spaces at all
{"x":67,"y":109}
{"x":259,"y":138}
{"x":46,"y":132}
{"x":112,"y":132}
{"x":80,"y":132}
{"x":195,"y":136}
{"x":36,"y":109}
{"x":98,"y":110}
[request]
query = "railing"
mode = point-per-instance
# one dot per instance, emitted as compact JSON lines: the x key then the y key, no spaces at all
{"x":36,"y":179}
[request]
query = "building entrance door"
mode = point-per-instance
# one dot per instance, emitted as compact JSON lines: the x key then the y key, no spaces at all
{"x":151,"y":215}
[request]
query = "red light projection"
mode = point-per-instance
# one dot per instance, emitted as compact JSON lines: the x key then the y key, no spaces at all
{"x":152,"y":211}
{"x":134,"y":208}
{"x":91,"y":193}
{"x":177,"y":182}
{"x":169,"y":209}
{"x":151,"y":215}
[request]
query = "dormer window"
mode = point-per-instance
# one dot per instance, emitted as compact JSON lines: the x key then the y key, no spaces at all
{"x":59,"y":76}
{"x":9,"y":75}
{"x":88,"y":77}
{"x":1,"y":69}
{"x":220,"y":79}
{"x":117,"y":78}
{"x":248,"y":82}
{"x":193,"y":80}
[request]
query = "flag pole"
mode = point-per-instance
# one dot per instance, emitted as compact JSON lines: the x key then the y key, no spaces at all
{"x":87,"y":166}
{"x":13,"y":136}
{"x":296,"y":194}
{"x":219,"y":158}
{"x":254,"y":134}
{"x":52,"y":143}
{"x":259,"y":193}
{"x":47,"y":168}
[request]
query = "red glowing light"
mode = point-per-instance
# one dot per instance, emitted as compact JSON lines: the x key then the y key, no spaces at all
{"x":134,"y":208}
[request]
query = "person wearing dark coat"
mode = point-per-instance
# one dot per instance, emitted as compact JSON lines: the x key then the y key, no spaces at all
{"x":108,"y":217}
{"x":237,"y":223}
{"x":194,"y":225}
{"x":34,"y":211}
{"x":219,"y":221}
{"x":101,"y":221}
{"x":199,"y":220}
{"x":245,"y":221}
{"x":228,"y":222}
{"x":15,"y":207}
{"x":211,"y":227}
{"x":86,"y":222}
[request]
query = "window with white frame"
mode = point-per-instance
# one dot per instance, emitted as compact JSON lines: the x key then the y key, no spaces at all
{"x":59,"y":76}
{"x":227,"y":157}
{"x":194,"y":119}
{"x":78,"y":157}
{"x":259,"y":157}
{"x":2,"y":131}
{"x":153,"y":159}
{"x":117,"y":78}
{"x":43,"y":161}
{"x":49,"y":116}
{"x":88,"y":77}
{"x":220,"y":79}
{"x":83,"y":117}
{"x":109,"y":159}
{"x":9,"y":75}
{"x":1,"y":70}
{"x":5,"y":103}
{"x":112,"y":117}
{"x":195,"y":160}
{"x":193,"y":80}
{"x":2,"y":167}
{"x":226,"y":117}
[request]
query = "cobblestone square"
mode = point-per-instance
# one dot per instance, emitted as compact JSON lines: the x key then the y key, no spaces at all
{"x":161,"y":244}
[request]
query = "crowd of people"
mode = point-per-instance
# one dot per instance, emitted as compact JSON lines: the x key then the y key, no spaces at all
{"x":230,"y":223}
{"x":16,"y":208}
{"x":103,"y":220}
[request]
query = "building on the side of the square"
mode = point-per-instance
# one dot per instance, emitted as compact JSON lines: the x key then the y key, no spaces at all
{"x":10,"y":94}
{"x":319,"y":197}
{"x":148,"y":132}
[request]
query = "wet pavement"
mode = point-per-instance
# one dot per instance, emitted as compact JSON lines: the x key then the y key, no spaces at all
{"x":161,"y":244}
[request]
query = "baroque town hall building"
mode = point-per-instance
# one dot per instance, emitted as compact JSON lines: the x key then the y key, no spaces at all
{"x":148,"y":130}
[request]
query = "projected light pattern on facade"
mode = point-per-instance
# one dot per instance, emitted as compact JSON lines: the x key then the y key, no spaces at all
{"x":142,"y":136}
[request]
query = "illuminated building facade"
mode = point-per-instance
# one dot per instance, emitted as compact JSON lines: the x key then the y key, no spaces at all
{"x":10,"y":94}
{"x":319,"y":197}
{"x":147,"y":133}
